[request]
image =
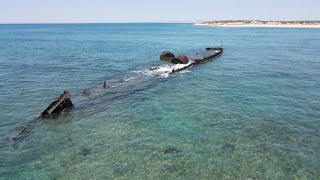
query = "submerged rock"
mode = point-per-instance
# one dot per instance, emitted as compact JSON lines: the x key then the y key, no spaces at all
{"x":171,"y":150}
{"x":120,"y":169}
{"x":23,"y":134}
{"x":86,"y":93}
{"x":167,"y":55}
{"x":85,"y":151}
{"x":228,"y":147}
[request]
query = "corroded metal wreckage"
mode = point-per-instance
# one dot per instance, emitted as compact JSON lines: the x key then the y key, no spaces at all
{"x":64,"y":102}
{"x":209,"y":54}
{"x":57,"y":106}
{"x":217,"y":53}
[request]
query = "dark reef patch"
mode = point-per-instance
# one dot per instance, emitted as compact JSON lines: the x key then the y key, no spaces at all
{"x":172,"y":150}
{"x":85,"y":151}
{"x":228,"y":148}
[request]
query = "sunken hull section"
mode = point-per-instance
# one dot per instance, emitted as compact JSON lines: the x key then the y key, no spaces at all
{"x":64,"y":102}
{"x":181,"y":69}
{"x":217,"y":52}
{"x":209,"y":54}
{"x":56,"y":107}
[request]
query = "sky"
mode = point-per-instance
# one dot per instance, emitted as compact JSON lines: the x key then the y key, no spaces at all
{"x":111,"y":11}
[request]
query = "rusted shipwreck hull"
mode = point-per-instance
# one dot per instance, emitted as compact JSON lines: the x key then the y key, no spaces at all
{"x":181,"y":69}
{"x":210,"y":54}
{"x":217,"y":52}
{"x":64,"y":102}
{"x":57,"y":106}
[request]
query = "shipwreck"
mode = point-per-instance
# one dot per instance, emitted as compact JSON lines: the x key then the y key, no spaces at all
{"x":181,"y":62}
{"x":210,"y":53}
{"x":57,"y":106}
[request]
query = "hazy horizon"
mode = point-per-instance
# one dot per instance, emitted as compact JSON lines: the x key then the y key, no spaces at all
{"x":143,"y":11}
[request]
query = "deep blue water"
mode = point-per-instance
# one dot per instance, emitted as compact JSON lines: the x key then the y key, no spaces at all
{"x":252,"y":113}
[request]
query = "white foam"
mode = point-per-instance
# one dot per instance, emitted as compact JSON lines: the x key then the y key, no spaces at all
{"x":164,"y":75}
{"x":163,"y":71}
{"x":129,"y":78}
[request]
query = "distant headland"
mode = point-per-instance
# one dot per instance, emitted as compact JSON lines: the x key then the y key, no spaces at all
{"x":257,"y":23}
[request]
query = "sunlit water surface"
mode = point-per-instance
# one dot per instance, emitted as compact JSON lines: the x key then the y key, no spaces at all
{"x":252,"y":113}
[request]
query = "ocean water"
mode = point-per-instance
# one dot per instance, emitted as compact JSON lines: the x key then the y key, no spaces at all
{"x":253,"y":113}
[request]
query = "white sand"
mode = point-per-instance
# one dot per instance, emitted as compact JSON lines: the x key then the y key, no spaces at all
{"x":259,"y":25}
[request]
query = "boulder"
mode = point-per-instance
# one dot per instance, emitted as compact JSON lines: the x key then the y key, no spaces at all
{"x":167,"y":55}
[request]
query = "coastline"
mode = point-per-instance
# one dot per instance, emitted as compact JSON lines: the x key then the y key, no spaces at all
{"x":257,"y":24}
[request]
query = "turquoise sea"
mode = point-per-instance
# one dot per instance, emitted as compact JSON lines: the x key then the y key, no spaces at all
{"x":253,"y":113}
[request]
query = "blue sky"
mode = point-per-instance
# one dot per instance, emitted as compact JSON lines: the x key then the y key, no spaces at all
{"x":77,"y":11}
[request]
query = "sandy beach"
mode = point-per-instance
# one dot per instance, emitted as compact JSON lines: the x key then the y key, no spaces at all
{"x":271,"y":25}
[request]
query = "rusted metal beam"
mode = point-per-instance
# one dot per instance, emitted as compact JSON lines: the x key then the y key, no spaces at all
{"x":58,"y":106}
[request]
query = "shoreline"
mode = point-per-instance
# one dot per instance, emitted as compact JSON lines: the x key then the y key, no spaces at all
{"x":267,"y":24}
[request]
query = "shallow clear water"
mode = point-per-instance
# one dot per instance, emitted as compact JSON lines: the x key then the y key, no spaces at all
{"x":252,"y":113}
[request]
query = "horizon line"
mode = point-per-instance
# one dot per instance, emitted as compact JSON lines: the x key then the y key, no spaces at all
{"x":142,"y":22}
{"x":148,"y":22}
